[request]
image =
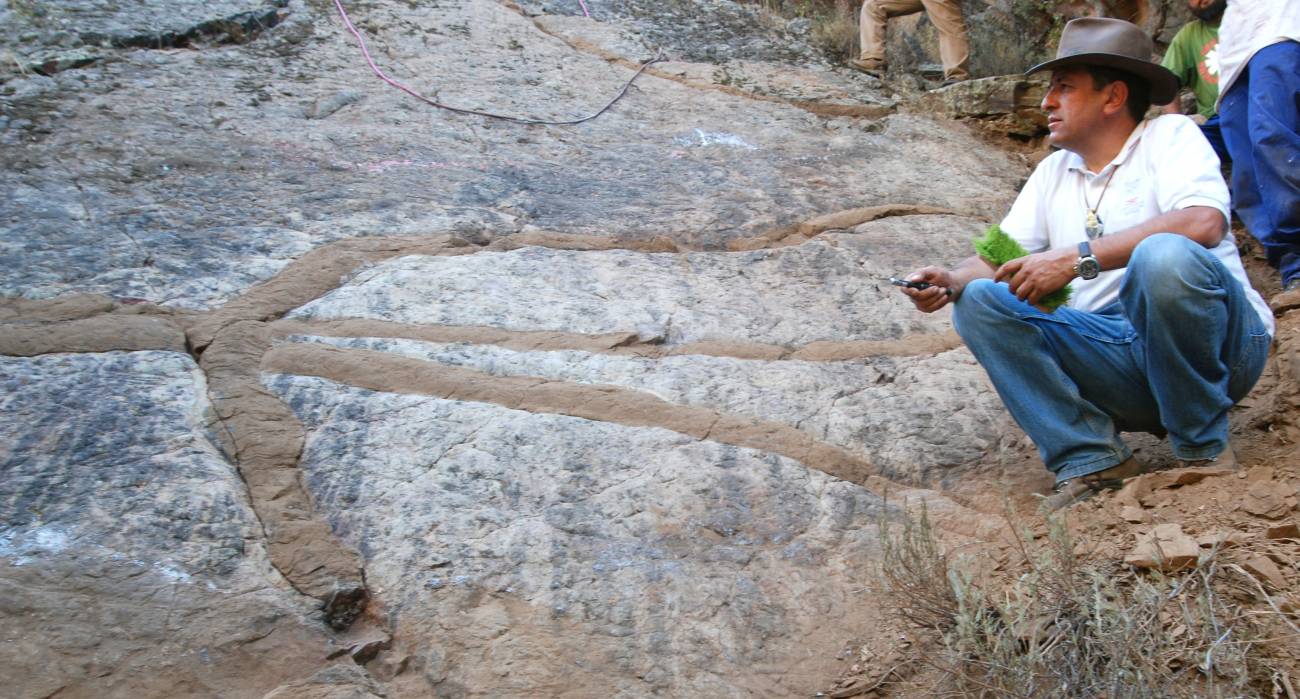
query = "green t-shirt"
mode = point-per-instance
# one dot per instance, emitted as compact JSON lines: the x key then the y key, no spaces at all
{"x":1193,"y":56}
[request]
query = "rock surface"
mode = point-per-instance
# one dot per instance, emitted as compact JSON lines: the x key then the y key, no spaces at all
{"x":130,"y":559}
{"x":189,"y":205}
{"x":313,"y":389}
{"x":654,"y":382}
{"x":790,"y":297}
{"x":519,"y":552}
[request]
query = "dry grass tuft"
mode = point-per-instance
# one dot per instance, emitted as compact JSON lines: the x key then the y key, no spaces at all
{"x":834,"y":23}
{"x":1068,"y":628}
{"x":835,"y":31}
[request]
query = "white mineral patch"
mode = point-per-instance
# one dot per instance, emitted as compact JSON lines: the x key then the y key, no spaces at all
{"x":700,"y":137}
{"x":18,"y":546}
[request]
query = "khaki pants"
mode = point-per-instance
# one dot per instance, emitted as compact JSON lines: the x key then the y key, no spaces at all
{"x":946,"y":16}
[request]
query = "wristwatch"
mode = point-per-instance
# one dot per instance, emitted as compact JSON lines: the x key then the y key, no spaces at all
{"x":1087,"y":266}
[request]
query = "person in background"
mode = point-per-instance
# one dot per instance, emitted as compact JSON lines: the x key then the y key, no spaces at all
{"x":954,"y":51}
{"x":1259,"y":114}
{"x":1163,"y":332}
{"x":1193,"y":56}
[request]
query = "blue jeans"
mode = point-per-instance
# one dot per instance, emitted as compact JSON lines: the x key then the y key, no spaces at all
{"x":1259,"y":118}
{"x":1182,"y":345}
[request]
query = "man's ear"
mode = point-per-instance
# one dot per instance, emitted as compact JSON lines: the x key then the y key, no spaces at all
{"x":1117,"y":99}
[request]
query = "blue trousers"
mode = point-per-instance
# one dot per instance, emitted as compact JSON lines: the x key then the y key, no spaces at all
{"x":1260,"y":121}
{"x":1182,"y":345}
{"x":1214,"y":134}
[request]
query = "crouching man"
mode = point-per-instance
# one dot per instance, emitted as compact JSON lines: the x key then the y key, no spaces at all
{"x":1163,"y":332}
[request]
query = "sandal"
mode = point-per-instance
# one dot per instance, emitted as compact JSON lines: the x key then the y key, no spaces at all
{"x":1078,"y":489}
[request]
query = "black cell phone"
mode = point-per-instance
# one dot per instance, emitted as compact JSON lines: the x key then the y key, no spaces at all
{"x":909,"y":284}
{"x":915,"y":285}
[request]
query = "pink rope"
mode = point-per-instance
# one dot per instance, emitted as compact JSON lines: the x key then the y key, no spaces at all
{"x":361,"y":41}
{"x":585,"y":13}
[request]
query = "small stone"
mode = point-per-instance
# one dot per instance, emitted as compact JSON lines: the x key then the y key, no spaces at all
{"x":1260,"y":474}
{"x":1166,"y":548}
{"x":1265,"y":571}
{"x":1288,"y":530}
{"x":1135,"y":492}
{"x":1262,"y":500}
{"x":1136,"y":515}
{"x":1223,"y":538}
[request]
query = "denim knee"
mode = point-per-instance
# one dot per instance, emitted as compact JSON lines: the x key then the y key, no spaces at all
{"x":1165,"y":265}
{"x":980,"y":309}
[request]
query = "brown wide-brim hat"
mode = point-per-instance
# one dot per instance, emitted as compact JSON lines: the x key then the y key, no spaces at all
{"x":1117,"y":44}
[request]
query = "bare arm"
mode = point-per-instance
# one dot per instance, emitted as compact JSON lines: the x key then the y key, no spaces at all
{"x":1034,"y":276}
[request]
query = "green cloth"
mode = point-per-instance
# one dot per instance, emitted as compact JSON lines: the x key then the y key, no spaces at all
{"x":1193,"y":56}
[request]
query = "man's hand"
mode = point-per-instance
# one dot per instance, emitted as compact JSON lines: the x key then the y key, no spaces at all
{"x":1034,"y":276}
{"x":940,"y":291}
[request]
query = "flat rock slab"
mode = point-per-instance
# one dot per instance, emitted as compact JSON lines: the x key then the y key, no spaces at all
{"x":790,"y":297}
{"x":522,"y":554}
{"x":130,"y":561}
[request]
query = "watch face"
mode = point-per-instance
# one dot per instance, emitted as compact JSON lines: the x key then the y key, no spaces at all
{"x":1088,"y":267}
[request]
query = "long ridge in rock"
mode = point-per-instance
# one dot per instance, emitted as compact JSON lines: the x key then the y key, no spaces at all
{"x":264,"y":439}
{"x":327,"y":267}
{"x":381,"y":371}
{"x":384,"y":372}
{"x":620,"y":343}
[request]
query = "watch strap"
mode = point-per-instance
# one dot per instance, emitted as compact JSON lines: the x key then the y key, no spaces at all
{"x":1087,"y":266}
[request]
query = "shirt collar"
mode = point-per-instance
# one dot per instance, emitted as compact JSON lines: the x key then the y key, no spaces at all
{"x":1075,"y":161}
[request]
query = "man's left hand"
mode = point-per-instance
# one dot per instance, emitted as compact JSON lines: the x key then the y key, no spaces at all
{"x":1034,"y":276}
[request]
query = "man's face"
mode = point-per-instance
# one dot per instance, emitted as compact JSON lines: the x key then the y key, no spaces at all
{"x":1074,"y":107}
{"x":1207,"y":10}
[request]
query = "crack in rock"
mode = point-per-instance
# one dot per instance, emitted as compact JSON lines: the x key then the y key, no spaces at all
{"x":239,"y":28}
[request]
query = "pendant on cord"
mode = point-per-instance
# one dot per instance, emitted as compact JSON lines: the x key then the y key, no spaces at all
{"x":1093,"y":225}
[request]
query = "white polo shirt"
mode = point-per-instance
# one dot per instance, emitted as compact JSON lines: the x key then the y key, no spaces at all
{"x":1165,"y":165}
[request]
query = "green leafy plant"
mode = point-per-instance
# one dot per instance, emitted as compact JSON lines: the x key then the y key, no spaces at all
{"x":998,"y":248}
